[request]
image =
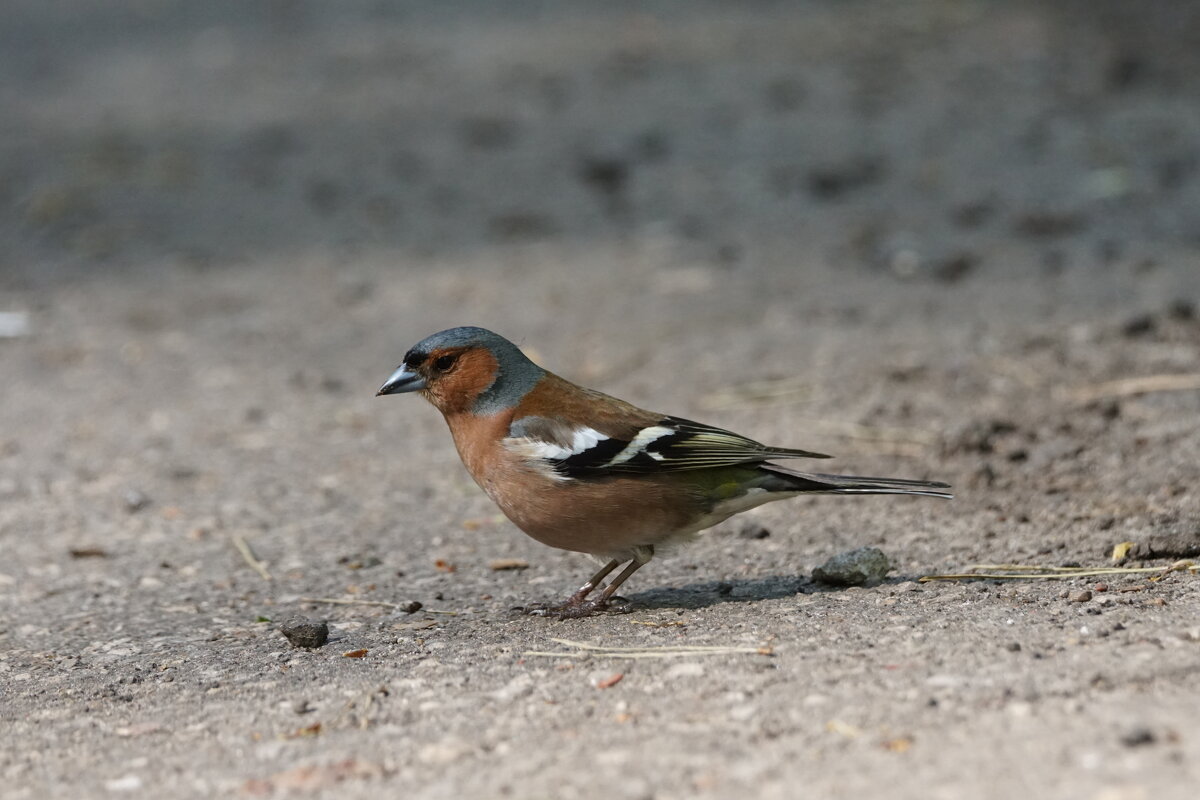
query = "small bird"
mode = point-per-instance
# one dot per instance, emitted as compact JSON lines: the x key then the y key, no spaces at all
{"x":579,"y":470}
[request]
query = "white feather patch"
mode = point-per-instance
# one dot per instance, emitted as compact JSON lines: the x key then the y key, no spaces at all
{"x":645,"y":437}
{"x":585,"y":439}
{"x":547,"y":451}
{"x":582,"y":439}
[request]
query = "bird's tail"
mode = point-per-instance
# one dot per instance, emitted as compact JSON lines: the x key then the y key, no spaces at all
{"x":795,"y":481}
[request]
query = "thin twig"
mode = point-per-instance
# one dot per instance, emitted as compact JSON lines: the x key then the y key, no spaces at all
{"x":1023,"y":572}
{"x":584,"y":650}
{"x":248,"y":556}
{"x":1146,"y":384}
{"x":685,"y":648}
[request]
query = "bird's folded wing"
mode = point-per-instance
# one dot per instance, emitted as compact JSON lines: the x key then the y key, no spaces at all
{"x":573,"y":450}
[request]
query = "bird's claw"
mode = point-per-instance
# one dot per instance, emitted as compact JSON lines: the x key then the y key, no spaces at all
{"x":578,"y":609}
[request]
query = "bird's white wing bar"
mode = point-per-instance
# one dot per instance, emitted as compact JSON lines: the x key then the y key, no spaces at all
{"x":553,"y":442}
{"x":670,"y":445}
{"x":645,"y":437}
{"x":584,"y":439}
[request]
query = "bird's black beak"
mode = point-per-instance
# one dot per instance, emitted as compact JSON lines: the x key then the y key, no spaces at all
{"x":402,"y":380}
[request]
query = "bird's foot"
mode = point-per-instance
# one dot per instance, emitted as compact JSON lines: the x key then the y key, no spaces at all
{"x":577,"y":608}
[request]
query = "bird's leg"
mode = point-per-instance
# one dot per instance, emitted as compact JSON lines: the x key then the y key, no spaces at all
{"x":577,"y":601}
{"x":592,"y":583}
{"x":605,"y":598}
{"x":580,"y":605}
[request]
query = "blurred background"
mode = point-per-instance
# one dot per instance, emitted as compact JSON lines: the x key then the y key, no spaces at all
{"x":930,"y":237}
{"x":220,"y":214}
{"x":938,"y":141}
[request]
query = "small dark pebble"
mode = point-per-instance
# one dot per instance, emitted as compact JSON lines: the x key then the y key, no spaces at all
{"x":411,"y":607}
{"x":1136,"y":737}
{"x":751,"y":529}
{"x":955,"y":268}
{"x":606,"y":175}
{"x":979,"y":436}
{"x":1049,"y":224}
{"x":305,"y":632}
{"x":834,"y":180}
{"x":1013,"y":647}
{"x":1182,"y":310}
{"x":1141,"y":325}
{"x":88,"y":552}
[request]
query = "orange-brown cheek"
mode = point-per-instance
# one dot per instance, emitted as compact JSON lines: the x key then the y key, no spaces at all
{"x":457,"y":391}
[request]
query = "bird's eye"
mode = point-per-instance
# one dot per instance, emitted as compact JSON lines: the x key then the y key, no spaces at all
{"x":443,"y":363}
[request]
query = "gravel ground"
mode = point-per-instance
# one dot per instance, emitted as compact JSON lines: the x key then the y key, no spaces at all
{"x":946,"y":240}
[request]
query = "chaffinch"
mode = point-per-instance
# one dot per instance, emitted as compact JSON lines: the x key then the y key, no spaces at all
{"x":579,"y":470}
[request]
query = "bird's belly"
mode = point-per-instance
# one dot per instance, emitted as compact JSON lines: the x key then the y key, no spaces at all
{"x":609,"y":518}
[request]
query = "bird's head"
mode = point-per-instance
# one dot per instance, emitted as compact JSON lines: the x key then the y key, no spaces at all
{"x":465,"y":370}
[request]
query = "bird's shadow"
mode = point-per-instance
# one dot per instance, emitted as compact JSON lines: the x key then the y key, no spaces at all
{"x":705,"y":594}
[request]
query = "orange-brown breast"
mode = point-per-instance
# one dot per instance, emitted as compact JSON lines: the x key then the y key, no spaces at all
{"x":478,"y":441}
{"x":606,"y":517}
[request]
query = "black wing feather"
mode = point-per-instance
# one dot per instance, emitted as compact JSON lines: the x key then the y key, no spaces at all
{"x":683,"y":445}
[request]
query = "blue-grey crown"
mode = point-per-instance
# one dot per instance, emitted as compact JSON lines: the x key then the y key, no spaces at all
{"x":515,"y":375}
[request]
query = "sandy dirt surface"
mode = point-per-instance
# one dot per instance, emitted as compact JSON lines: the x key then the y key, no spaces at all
{"x":926,"y":237}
